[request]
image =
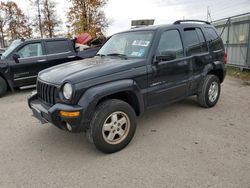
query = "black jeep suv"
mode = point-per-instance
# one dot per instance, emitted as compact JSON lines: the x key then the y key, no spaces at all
{"x":134,"y":71}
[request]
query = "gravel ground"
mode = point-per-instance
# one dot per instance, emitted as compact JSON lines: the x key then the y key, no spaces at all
{"x":181,"y":145}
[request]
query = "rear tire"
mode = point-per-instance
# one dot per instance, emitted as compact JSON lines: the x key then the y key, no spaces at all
{"x":113,"y":126}
{"x":3,"y":87}
{"x":209,"y":93}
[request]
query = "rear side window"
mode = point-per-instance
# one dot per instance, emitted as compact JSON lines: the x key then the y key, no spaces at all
{"x":203,"y":43}
{"x":215,"y":43}
{"x":195,"y":41}
{"x":55,"y":47}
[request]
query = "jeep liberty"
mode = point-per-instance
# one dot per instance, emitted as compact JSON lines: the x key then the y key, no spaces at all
{"x":135,"y":70}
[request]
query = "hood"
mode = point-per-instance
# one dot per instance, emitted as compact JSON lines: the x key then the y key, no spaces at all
{"x":3,"y":63}
{"x":83,"y":70}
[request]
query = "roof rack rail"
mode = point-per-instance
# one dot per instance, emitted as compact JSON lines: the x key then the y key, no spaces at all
{"x":179,"y":21}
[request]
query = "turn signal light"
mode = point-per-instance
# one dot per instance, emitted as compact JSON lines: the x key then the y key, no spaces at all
{"x":69,"y":114}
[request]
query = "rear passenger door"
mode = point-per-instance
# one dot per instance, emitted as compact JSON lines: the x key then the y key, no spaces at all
{"x":59,"y":51}
{"x":197,"y":53}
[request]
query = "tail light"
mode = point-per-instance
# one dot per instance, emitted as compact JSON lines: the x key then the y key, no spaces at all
{"x":225,"y":58}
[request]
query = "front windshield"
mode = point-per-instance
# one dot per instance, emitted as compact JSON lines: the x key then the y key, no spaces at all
{"x":133,"y":44}
{"x":13,"y":45}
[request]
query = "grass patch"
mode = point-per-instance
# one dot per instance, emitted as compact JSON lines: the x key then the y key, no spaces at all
{"x":237,"y":73}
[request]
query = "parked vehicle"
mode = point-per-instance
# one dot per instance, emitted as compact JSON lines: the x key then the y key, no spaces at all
{"x":134,"y":71}
{"x":21,"y":62}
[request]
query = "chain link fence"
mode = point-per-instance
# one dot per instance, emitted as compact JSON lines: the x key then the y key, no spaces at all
{"x":235,"y":32}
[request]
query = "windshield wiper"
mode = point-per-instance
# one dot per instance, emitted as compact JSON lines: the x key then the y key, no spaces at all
{"x":118,"y":55}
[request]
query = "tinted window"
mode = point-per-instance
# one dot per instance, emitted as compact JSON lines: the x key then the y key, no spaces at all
{"x":203,"y":43}
{"x":31,"y":50}
{"x":211,"y":34}
{"x":55,"y":47}
{"x":171,"y":41}
{"x":215,"y":43}
{"x":195,"y":41}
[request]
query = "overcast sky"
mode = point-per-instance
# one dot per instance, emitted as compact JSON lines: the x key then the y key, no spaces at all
{"x":121,"y":12}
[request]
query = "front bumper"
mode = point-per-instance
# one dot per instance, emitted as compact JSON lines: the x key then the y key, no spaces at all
{"x":51,"y":114}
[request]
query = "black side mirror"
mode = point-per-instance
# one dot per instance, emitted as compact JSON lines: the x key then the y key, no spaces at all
{"x":166,"y":56}
{"x":16,"y":56}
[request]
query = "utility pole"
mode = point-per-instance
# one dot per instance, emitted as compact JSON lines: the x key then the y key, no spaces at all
{"x":39,"y":18}
{"x":209,"y":15}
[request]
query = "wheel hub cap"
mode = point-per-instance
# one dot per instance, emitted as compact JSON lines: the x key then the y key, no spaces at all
{"x":116,"y":128}
{"x":213,"y":91}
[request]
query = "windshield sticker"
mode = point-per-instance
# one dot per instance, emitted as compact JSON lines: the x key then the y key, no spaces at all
{"x":140,"y":43}
{"x":138,"y":54}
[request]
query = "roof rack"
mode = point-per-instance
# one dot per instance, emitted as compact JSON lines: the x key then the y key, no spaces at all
{"x":179,"y":21}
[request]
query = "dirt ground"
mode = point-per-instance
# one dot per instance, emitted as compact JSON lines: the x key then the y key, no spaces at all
{"x":181,"y":145}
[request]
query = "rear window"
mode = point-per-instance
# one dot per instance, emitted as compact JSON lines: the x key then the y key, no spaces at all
{"x":215,"y":42}
{"x":211,"y":34}
{"x":55,"y":47}
{"x":195,"y":41}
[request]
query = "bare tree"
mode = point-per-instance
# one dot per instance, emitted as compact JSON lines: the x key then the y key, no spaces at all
{"x":46,"y":21}
{"x":36,"y":19}
{"x":39,"y":17}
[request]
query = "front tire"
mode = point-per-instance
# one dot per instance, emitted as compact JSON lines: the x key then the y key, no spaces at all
{"x":209,"y":93}
{"x":3,"y":87}
{"x":113,"y":125}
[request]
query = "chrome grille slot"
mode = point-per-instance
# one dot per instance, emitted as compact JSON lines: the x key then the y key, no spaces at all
{"x":46,"y":92}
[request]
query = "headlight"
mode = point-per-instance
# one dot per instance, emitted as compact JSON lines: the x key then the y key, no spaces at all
{"x":67,"y":91}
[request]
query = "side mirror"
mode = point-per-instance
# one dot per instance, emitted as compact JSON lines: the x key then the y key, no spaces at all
{"x":166,"y":56}
{"x":16,"y":56}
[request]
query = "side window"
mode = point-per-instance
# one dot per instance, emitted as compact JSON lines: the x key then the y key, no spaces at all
{"x":31,"y":50}
{"x":195,"y":41}
{"x":171,"y":41}
{"x":54,"y":47}
{"x":213,"y":38}
{"x":211,"y":33}
{"x":203,"y":43}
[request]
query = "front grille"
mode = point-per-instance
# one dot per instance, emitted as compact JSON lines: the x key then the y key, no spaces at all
{"x":47,"y":93}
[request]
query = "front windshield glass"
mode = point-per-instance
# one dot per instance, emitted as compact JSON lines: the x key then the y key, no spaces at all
{"x":13,"y":45}
{"x":133,"y":44}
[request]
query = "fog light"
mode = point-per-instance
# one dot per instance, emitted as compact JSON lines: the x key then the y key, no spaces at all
{"x":69,"y":114}
{"x":69,"y":127}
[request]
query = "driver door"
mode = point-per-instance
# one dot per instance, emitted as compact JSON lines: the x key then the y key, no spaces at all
{"x":168,"y":79}
{"x":25,"y":71}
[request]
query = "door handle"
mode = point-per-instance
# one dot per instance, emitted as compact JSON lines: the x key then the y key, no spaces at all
{"x":182,"y":63}
{"x":71,"y":56}
{"x":41,"y":60}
